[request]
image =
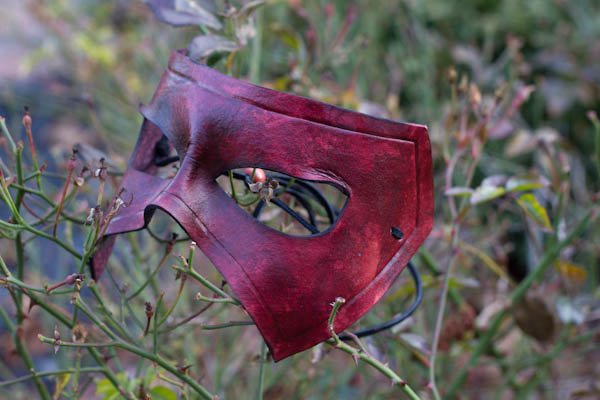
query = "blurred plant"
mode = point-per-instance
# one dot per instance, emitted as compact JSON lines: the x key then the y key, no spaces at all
{"x":471,"y":122}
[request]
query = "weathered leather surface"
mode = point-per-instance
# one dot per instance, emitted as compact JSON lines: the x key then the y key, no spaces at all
{"x":286,"y":283}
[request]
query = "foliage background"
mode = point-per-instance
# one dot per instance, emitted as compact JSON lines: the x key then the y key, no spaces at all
{"x":84,"y":66}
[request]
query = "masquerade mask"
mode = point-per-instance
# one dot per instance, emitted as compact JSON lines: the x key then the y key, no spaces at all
{"x":286,"y":283}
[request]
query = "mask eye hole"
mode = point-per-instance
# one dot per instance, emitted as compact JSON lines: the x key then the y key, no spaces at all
{"x":289,"y":204}
{"x":165,"y":158}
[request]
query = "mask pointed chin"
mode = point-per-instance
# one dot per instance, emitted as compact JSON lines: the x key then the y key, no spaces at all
{"x":285,"y":282}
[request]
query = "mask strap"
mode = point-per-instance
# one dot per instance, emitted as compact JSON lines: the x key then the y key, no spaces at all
{"x":371,"y":330}
{"x":161,"y":153}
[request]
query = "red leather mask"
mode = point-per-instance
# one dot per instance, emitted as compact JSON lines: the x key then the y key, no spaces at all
{"x":286,"y":283}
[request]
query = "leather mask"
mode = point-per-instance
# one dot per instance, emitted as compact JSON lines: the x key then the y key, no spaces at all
{"x":286,"y":283}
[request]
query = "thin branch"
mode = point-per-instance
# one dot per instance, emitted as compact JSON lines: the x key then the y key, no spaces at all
{"x":50,"y":373}
{"x":357,"y":354}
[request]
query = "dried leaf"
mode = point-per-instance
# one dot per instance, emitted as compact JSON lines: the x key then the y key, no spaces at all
{"x":487,"y":260}
{"x":521,"y":142}
{"x":183,"y":13}
{"x":416,"y":341}
{"x":463,"y":281}
{"x":248,"y":9}
{"x":534,"y":318}
{"x":535,"y":211}
{"x":573,"y":272}
{"x":484,"y":318}
{"x":204,"y":45}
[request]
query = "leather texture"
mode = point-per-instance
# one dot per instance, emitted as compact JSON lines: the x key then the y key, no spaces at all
{"x":286,"y":283}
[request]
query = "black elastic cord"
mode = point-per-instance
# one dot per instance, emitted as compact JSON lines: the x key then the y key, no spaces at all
{"x":305,"y":203}
{"x":164,"y":161}
{"x":371,"y":330}
{"x":161,"y":153}
{"x":312,"y":191}
{"x":313,"y":229}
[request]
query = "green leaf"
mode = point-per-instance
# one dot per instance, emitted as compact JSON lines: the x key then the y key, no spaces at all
{"x":525,"y":182}
{"x":287,"y":36}
{"x":535,"y":211}
{"x":486,"y":193}
{"x":163,"y":393}
{"x":459,"y":191}
{"x":105,"y":387}
{"x":61,"y":382}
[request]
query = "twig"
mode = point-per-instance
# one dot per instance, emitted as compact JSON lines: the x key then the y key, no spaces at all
{"x":70,"y":167}
{"x":140,"y":352}
{"x":456,"y":221}
{"x":191,"y":272}
{"x":50,"y":373}
{"x":261,"y":371}
{"x":187,"y":319}
{"x":161,"y":263}
{"x":9,"y":139}
{"x":360,"y":355}
{"x":179,"y":292}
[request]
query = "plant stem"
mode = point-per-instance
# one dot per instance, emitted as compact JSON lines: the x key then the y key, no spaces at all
{"x":140,"y":352}
{"x":24,"y":225}
{"x":155,"y":332}
{"x":24,"y":353}
{"x":152,"y":275}
{"x":226,"y":325}
{"x":256,"y":49}
{"x":457,"y":218}
{"x":9,"y":139}
{"x":199,"y":296}
{"x":359,"y":354}
{"x":233,"y":194}
{"x":261,"y":371}
{"x":17,"y":331}
{"x":136,"y":350}
{"x":66,"y":320}
{"x":208,"y":284}
{"x":50,"y":373}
